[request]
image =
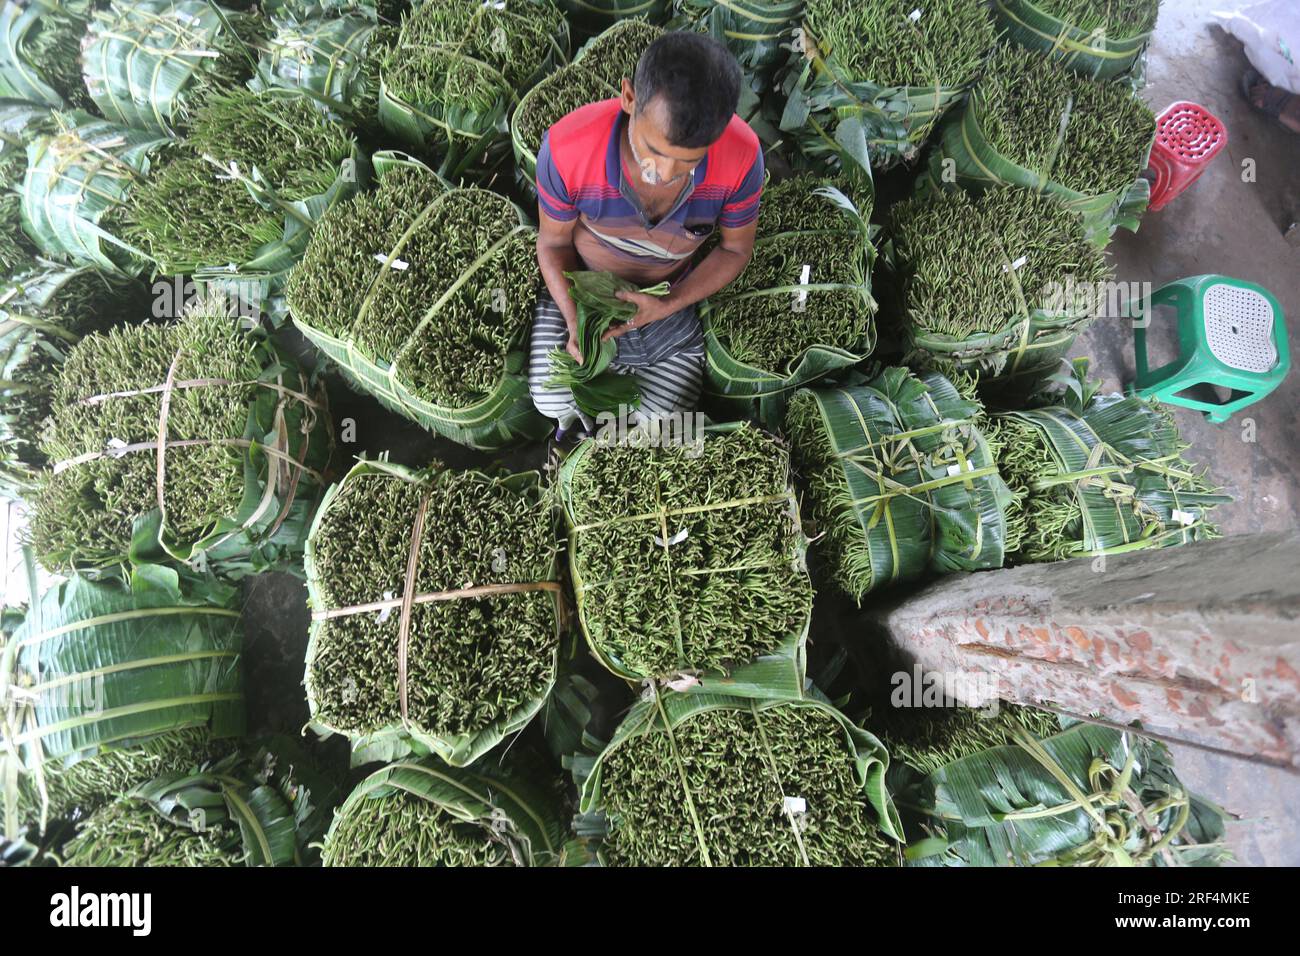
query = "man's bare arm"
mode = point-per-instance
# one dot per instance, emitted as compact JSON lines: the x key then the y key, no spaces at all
{"x":718,"y":270}
{"x":556,"y":255}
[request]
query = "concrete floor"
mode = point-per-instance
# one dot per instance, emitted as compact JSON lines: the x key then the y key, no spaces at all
{"x":1229,"y":226}
{"x":1222,"y":225}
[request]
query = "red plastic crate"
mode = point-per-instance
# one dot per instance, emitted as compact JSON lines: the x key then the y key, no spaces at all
{"x":1188,"y":136}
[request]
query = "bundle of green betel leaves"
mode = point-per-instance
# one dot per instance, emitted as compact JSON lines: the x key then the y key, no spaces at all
{"x":900,"y":478}
{"x":802,"y":309}
{"x":20,"y":124}
{"x":40,"y":51}
{"x":596,"y":73}
{"x":997,"y":284}
{"x":424,"y":295}
{"x":436,"y":610}
{"x":1100,"y":39}
{"x":196,"y":441}
{"x":1096,"y":475}
{"x":705,"y":779}
{"x":867,"y":82}
{"x":236,"y":202}
{"x":687,"y":559}
{"x":42,"y":315}
{"x":262,"y":806}
{"x":1032,"y":123}
{"x":757,"y":32}
{"x":149,"y":63}
{"x":77,"y":181}
{"x":111,"y":682}
{"x":425,"y":813}
{"x":458,"y":67}
{"x":592,"y":16}
{"x":1017,"y":788}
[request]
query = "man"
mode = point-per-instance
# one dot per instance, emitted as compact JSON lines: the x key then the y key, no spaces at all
{"x":634,"y":185}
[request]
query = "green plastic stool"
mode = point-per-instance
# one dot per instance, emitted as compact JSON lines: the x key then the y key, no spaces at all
{"x":1230,"y":333}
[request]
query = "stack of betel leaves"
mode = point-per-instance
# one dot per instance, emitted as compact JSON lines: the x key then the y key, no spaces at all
{"x":458,"y":67}
{"x":40,"y":51}
{"x":687,"y":559}
{"x":424,"y":295}
{"x":592,"y":16}
{"x":596,"y":73}
{"x":900,"y":478}
{"x":757,"y":32}
{"x":149,"y":64}
{"x":42,"y":315}
{"x":333,"y":59}
{"x":77,"y":180}
{"x":997,"y":284}
{"x":108,"y":683}
{"x":1101,"y":39}
{"x":196,"y":441}
{"x":236,"y":202}
{"x":596,"y":388}
{"x":425,"y":813}
{"x":802,"y":309}
{"x":1017,"y":788}
{"x":1032,"y":123}
{"x":263,"y":806}
{"x":1098,"y":475}
{"x":707,"y":779}
{"x":20,"y":123}
{"x":867,"y":82}
{"x":436,"y":612}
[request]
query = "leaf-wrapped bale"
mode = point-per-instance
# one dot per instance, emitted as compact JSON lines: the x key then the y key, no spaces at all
{"x":197,"y":440}
{"x":757,"y":32}
{"x":455,"y":672}
{"x":1100,"y":39}
{"x":901,"y":480}
{"x":40,"y":51}
{"x":688,"y":558}
{"x":706,"y":779}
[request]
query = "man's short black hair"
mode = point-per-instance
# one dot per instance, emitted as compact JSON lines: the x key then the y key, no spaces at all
{"x":699,"y":81}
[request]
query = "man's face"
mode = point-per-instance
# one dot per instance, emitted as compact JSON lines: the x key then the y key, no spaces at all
{"x":661,"y":162}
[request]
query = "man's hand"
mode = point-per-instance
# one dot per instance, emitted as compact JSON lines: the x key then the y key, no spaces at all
{"x":650,"y":308}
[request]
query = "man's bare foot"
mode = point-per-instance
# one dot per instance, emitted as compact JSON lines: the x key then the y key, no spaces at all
{"x":1273,"y":101}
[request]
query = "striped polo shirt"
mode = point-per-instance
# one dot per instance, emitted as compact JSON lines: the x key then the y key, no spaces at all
{"x":580,"y":175}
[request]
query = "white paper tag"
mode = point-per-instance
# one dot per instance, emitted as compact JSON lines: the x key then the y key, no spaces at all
{"x":1016,"y":264}
{"x":804,"y":275}
{"x":494,"y":4}
{"x":401,"y":265}
{"x":387,"y":612}
{"x":915,"y":15}
{"x":682,"y":683}
{"x":678,"y":538}
{"x":1184,"y":517}
{"x":794,"y":806}
{"x":115,"y":445}
{"x":186,"y":18}
{"x":958,"y":469}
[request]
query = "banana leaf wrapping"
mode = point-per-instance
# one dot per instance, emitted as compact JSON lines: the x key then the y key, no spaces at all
{"x":108,"y":683}
{"x":20,"y":123}
{"x":1017,"y":790}
{"x":425,"y":813}
{"x":436,"y":610}
{"x":687,"y":560}
{"x":596,"y":73}
{"x":757,"y":32}
{"x":1099,"y":40}
{"x":42,"y":315}
{"x":457,"y":69}
{"x":1105,"y":479}
{"x":40,"y":51}
{"x":866,"y":84}
{"x":716,"y":780}
{"x":1000,"y":283}
{"x":262,"y":806}
{"x":77,"y":181}
{"x":235,"y":205}
{"x":802,"y":309}
{"x":149,"y":63}
{"x":1033,"y":124}
{"x":194,"y":441}
{"x":597,"y":15}
{"x":334,"y":60}
{"x":423,"y":296}
{"x":901,"y":479}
